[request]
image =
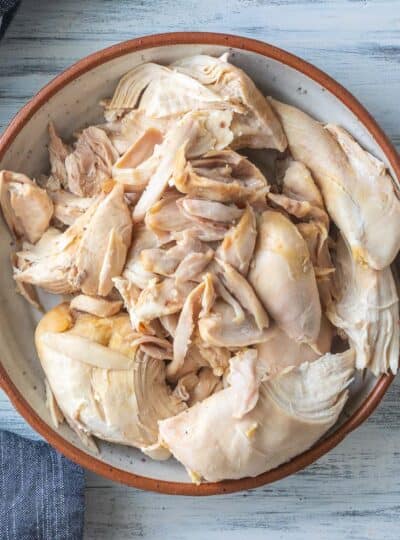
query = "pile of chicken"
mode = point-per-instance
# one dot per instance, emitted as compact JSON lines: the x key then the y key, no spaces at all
{"x":203,"y":297}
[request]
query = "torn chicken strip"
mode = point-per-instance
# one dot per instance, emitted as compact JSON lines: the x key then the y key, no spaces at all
{"x":127,"y":131}
{"x":86,"y":256}
{"x":283,"y":278}
{"x":167,"y":217}
{"x":254,"y":125}
{"x":279,"y":353}
{"x":238,"y":245}
{"x":316,"y":237}
{"x":134,"y":271}
{"x":97,"y":398}
{"x":161,"y":92}
{"x":140,"y":161}
{"x":165,"y":261}
{"x":130,"y":293}
{"x":223,"y":176}
{"x":159,"y":299}
{"x":68,"y":207}
{"x":193,"y":265}
{"x":358,"y":192}
{"x":27,"y":209}
{"x":184,"y":330}
{"x":58,"y":152}
{"x":211,"y":210}
{"x":243,"y":292}
{"x":292,"y":412}
{"x":208,"y":383}
{"x":220,"y":329}
{"x":366,"y":307}
{"x":104,"y":245}
{"x":96,"y":305}
{"x":174,"y":143}
{"x":89,"y":165}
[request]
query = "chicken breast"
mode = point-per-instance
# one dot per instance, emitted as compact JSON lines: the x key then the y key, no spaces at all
{"x":357,"y":190}
{"x":101,"y":380}
{"x":86,"y":256}
{"x":282,"y":276}
{"x":366,"y":307}
{"x":89,"y":165}
{"x":291,"y":412}
{"x":27,"y":209}
{"x":254,"y":123}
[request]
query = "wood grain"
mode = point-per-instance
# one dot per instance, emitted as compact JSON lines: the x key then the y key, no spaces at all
{"x":354,"y":492}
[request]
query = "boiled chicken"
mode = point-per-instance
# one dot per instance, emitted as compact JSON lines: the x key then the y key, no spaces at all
{"x":366,"y":308}
{"x":254,"y":123}
{"x":58,"y":152}
{"x":26,"y":207}
{"x":101,"y":380}
{"x":291,"y":412}
{"x":224,"y":176}
{"x":283,"y":277}
{"x":357,"y":190}
{"x":89,"y":165}
{"x":86,"y":256}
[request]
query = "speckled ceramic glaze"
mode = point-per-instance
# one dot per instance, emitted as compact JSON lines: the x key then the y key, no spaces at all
{"x":71,"y":101}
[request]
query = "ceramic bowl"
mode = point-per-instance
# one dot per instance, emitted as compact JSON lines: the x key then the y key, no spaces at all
{"x":71,"y":100}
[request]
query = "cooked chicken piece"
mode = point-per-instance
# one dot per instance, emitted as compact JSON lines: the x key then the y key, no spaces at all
{"x":104,"y":245}
{"x":238,"y":286}
{"x":238,"y":245}
{"x":168,"y":216}
{"x":140,"y":161}
{"x":58,"y":152}
{"x":161,"y":92}
{"x":220,"y":329}
{"x":279,"y":353}
{"x":302,"y":199}
{"x":254,"y":123}
{"x":210,"y":210}
{"x":223,"y":176}
{"x":174,"y":143}
{"x":192,"y":266}
{"x":283,"y":278}
{"x":89,"y":165}
{"x":96,"y":305}
{"x":185,"y":386}
{"x":187,"y":321}
{"x":27,"y":209}
{"x":166,"y":261}
{"x":126,"y":132}
{"x":101,"y":380}
{"x":292,"y":412}
{"x":366,"y":307}
{"x":159,"y":299}
{"x":357,"y":190}
{"x":207,"y":384}
{"x":68,"y":207}
{"x":86,"y":256}
{"x":169,"y":323}
{"x":134,"y":271}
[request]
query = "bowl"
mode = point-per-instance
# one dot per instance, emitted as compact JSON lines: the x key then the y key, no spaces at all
{"x":71,"y":100}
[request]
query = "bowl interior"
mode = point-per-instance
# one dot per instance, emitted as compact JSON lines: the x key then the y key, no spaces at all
{"x":77,"y":105}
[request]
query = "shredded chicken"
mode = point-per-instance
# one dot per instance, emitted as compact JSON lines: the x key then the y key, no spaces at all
{"x":209,"y":290}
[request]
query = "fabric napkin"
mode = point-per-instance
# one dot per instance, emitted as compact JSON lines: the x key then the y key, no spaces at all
{"x":7,"y":10}
{"x":41,"y":492}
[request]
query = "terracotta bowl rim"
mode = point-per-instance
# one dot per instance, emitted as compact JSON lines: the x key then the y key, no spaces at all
{"x":269,"y":51}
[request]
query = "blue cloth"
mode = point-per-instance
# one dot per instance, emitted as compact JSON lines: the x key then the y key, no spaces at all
{"x":7,"y":10}
{"x":41,"y":492}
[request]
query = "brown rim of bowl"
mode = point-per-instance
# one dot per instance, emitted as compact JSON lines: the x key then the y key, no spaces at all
{"x":382,"y":384}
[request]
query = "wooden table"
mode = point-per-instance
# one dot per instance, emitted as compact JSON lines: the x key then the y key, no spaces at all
{"x":354,"y":492}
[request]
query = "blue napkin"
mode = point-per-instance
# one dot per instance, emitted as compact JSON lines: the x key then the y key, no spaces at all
{"x":41,"y":492}
{"x":7,"y":10}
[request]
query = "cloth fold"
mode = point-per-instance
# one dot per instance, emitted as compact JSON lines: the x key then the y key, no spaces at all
{"x":7,"y":10}
{"x":41,"y":492}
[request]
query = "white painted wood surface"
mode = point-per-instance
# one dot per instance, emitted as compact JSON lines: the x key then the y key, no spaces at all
{"x":354,"y":492}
